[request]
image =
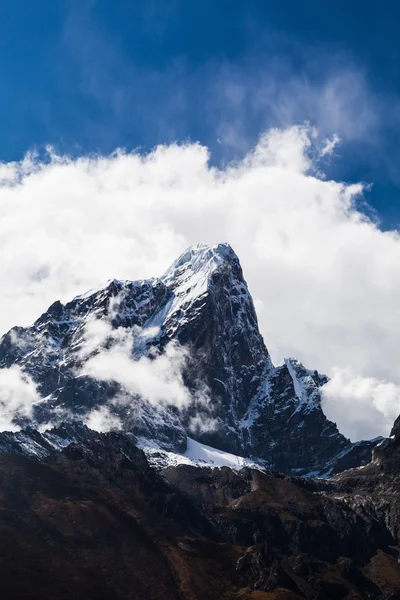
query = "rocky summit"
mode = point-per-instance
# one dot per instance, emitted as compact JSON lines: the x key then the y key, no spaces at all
{"x":201,"y":315}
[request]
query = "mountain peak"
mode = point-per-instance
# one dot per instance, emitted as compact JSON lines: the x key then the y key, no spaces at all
{"x":200,"y":259}
{"x":203,"y":306}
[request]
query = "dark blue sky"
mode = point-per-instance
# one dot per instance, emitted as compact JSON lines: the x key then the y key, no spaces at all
{"x":90,"y":76}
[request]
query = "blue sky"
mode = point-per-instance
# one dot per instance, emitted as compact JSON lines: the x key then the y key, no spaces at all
{"x":90,"y":76}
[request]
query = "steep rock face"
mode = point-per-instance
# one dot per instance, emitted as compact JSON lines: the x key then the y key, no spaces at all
{"x":214,"y":313}
{"x":395,"y":433}
{"x":202,"y":303}
{"x":286,"y":416}
{"x":374,"y":488}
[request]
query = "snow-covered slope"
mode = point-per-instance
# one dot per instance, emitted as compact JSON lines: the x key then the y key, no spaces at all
{"x":238,"y":401}
{"x":196,"y":454}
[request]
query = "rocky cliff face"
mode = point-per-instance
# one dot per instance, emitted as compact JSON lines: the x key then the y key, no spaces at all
{"x":239,"y":402}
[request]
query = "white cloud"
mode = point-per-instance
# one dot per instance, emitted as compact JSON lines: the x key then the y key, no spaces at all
{"x":330,"y":145}
{"x":18,"y":394}
{"x":103,"y":420}
{"x":362,"y":405}
{"x":96,"y":333}
{"x":202,"y":423}
{"x":327,"y":279}
{"x":157,"y":378}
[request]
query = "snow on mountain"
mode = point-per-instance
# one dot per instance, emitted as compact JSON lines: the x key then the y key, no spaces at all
{"x":40,"y":445}
{"x":306,"y":385}
{"x":36,"y":445}
{"x":190,"y":274}
{"x":196,"y":454}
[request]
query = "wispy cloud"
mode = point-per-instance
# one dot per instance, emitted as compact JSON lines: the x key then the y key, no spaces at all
{"x":103,"y":419}
{"x":129,"y":357}
{"x":278,"y":85}
{"x":18,"y":395}
{"x":157,"y":378}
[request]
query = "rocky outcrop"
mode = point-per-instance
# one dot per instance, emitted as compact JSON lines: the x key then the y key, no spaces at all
{"x":95,"y":521}
{"x":374,"y":488}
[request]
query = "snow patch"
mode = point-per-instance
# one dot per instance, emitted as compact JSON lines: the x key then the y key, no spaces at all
{"x":196,"y":454}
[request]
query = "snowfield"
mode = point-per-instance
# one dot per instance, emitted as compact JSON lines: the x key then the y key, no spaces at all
{"x":196,"y":454}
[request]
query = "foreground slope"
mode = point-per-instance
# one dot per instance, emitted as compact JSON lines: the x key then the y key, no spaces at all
{"x":95,"y":521}
{"x":240,"y":402}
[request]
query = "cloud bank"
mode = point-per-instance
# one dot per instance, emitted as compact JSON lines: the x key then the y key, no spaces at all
{"x":366,"y":404}
{"x":325,"y":279}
